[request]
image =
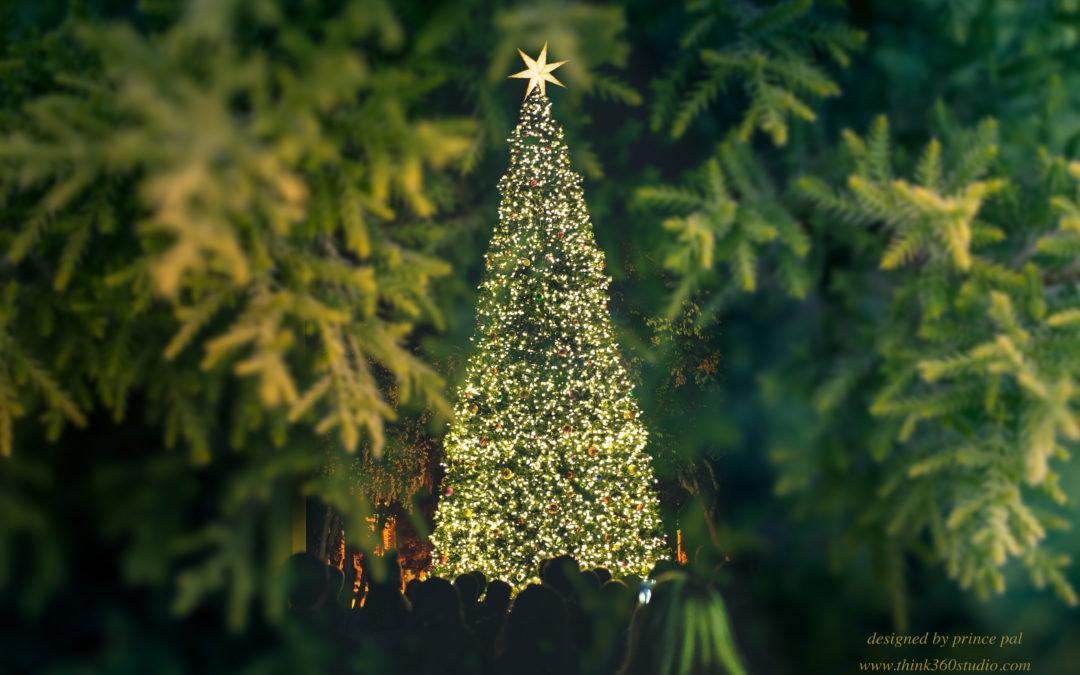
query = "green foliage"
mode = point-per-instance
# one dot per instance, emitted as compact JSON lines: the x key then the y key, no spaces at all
{"x":768,"y":51}
{"x":981,"y":383}
{"x":737,"y":226}
{"x":955,"y":297}
{"x":210,"y":234}
{"x":258,"y":220}
{"x":933,"y":220}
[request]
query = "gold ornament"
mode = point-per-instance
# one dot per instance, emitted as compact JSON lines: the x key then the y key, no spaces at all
{"x":538,"y":72}
{"x":593,"y":450}
{"x":506,"y":473}
{"x":553,"y":507}
{"x":473,"y":409}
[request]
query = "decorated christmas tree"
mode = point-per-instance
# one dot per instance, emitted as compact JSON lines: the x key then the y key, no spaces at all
{"x":546,"y":453}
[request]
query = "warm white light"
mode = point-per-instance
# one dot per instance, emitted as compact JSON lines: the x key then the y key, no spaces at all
{"x":546,"y":454}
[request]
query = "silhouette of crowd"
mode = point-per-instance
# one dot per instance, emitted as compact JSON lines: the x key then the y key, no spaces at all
{"x":574,"y":622}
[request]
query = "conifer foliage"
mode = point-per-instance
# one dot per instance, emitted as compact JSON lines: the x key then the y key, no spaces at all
{"x":210,"y":241}
{"x":976,"y":356}
{"x":546,"y":454}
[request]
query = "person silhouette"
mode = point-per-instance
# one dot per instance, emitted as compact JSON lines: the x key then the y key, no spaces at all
{"x":536,"y":638}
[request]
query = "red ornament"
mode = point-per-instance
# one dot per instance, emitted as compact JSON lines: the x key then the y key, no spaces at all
{"x":560,"y":234}
{"x":592,"y":453}
{"x":448,"y":491}
{"x":483,"y":441}
{"x":533,"y":183}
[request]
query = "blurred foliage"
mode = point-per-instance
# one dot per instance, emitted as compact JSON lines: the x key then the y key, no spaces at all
{"x":736,"y":228}
{"x":767,"y":49}
{"x":971,"y":344}
{"x":247,"y":230}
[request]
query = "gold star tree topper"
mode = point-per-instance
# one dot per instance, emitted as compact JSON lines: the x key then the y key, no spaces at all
{"x":539,"y":71}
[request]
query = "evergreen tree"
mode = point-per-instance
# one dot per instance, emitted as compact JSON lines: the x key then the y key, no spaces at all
{"x":547,"y":451}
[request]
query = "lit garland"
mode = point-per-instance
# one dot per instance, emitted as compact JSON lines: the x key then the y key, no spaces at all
{"x":546,"y":452}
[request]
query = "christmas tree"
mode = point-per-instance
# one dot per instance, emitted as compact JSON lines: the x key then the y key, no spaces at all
{"x":546,"y":453}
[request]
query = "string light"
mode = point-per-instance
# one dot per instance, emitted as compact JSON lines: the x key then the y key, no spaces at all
{"x":544,"y":391}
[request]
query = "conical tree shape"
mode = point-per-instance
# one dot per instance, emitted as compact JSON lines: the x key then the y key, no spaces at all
{"x":546,"y":452}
